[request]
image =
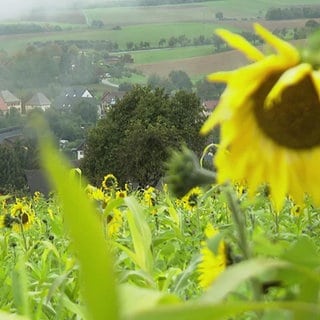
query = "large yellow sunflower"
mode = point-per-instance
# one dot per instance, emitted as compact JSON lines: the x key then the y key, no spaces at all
{"x":269,"y":115}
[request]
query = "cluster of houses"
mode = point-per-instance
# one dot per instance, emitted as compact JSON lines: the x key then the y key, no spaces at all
{"x":69,"y":97}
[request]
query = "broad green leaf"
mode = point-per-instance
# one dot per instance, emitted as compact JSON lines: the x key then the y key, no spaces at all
{"x":141,"y":234}
{"x":20,"y":287}
{"x":303,"y":252}
{"x":217,"y":311}
{"x":8,"y":316}
{"x":236,"y":274}
{"x":135,"y":299}
{"x":75,"y":308}
{"x":183,"y":278}
{"x":174,"y":214}
{"x":83,"y":225}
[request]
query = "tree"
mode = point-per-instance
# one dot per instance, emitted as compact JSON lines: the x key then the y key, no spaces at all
{"x":208,"y":90}
{"x":12,"y":160}
{"x":219,"y":15}
{"x":134,"y":139}
{"x":180,"y":80}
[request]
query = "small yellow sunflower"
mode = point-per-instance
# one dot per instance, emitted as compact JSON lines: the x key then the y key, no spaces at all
{"x":114,"y":222}
{"x":190,"y":200}
{"x":109,"y":182}
{"x":121,"y":194}
{"x":296,"y":210}
{"x":94,"y":193}
{"x":149,"y":196}
{"x":23,"y":216}
{"x":211,"y":265}
{"x":269,"y":115}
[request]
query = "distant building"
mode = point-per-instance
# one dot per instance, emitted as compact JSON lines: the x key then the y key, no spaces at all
{"x":209,"y":106}
{"x":109,"y":99}
{"x":11,"y":100}
{"x":39,"y":100}
{"x":72,"y":96}
{"x":3,"y":107}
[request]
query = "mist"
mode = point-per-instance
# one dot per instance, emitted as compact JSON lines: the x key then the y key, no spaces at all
{"x":17,"y":9}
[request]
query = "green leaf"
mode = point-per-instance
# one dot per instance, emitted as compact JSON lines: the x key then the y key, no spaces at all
{"x":83,"y":225}
{"x":236,"y":274}
{"x":8,"y":316}
{"x":141,"y":235}
{"x":20,"y":287}
{"x":303,"y":252}
{"x":135,"y":299}
{"x":217,"y":311}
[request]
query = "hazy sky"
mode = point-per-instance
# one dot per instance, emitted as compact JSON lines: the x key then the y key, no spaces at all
{"x":15,"y":8}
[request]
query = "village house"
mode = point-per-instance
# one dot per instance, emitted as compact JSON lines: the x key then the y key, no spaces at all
{"x":209,"y":106}
{"x":11,"y":100}
{"x":109,"y":99}
{"x":38,"y":100}
{"x":3,"y":107}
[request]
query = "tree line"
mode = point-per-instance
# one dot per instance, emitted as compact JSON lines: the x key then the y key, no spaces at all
{"x":293,"y":13}
{"x":19,"y":28}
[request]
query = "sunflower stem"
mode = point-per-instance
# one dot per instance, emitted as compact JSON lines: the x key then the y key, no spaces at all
{"x":23,"y":237}
{"x":240,"y":224}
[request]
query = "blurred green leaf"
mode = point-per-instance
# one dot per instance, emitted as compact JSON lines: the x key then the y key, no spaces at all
{"x":303,"y":252}
{"x":20,"y":287}
{"x":217,"y":311}
{"x":8,"y":316}
{"x":135,"y":299}
{"x":83,"y":225}
{"x":236,"y":274}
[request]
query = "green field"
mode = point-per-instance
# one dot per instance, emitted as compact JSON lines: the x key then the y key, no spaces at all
{"x":204,"y":11}
{"x":151,"y":33}
{"x":150,"y":24}
{"x":151,"y":56}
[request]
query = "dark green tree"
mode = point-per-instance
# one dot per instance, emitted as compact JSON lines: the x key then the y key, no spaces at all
{"x":134,"y":139}
{"x":12,"y":163}
{"x":208,"y":90}
{"x":180,"y":80}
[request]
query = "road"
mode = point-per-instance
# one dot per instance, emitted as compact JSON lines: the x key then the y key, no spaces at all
{"x":108,"y":83}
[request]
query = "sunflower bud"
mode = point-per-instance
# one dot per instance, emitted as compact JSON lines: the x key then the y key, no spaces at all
{"x":185,"y":173}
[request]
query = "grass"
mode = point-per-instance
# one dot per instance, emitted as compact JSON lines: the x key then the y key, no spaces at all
{"x":171,"y":54}
{"x":136,"y":34}
{"x":153,"y":23}
{"x":204,"y":11}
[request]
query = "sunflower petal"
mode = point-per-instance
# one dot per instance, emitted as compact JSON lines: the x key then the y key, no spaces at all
{"x":288,"y":78}
{"x":238,"y":42}
{"x":283,"y":47}
{"x":278,"y":173}
{"x":221,"y":113}
{"x":220,"y":76}
{"x":315,"y":75}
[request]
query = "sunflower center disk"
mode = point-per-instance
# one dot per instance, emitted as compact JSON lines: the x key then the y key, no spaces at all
{"x":294,"y":120}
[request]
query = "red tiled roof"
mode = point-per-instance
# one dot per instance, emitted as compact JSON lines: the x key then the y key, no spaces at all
{"x":3,"y":106}
{"x":210,"y":104}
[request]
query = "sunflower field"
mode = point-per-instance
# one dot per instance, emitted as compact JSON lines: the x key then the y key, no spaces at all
{"x":240,"y":243}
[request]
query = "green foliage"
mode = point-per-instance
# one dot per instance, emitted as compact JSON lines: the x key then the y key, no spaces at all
{"x":293,"y":13}
{"x":208,"y":90}
{"x":180,"y":80}
{"x":65,"y":266}
{"x":134,"y":139}
{"x":12,"y":165}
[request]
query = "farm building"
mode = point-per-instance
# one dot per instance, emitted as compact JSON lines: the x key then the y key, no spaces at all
{"x":38,"y":100}
{"x":11,"y":100}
